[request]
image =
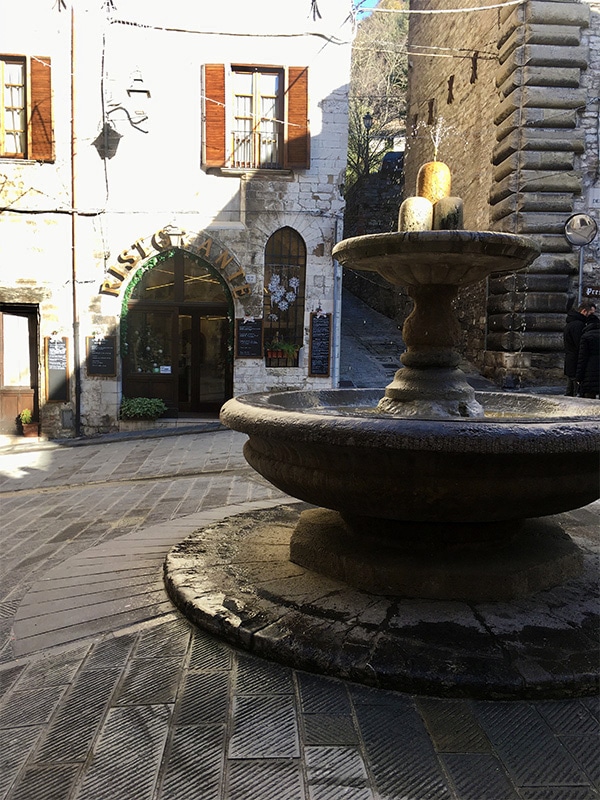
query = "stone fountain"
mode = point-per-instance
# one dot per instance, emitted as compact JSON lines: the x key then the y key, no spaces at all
{"x":434,"y":490}
{"x":429,"y":559}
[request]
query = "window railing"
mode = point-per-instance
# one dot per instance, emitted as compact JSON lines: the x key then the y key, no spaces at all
{"x":255,"y":151}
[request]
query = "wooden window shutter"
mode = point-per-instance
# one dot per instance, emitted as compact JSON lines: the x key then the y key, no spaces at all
{"x":42,"y":137}
{"x":297,"y":144}
{"x":214,"y":154}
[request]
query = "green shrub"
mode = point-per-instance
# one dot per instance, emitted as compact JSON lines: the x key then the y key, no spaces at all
{"x":26,"y":416}
{"x":142,"y":408}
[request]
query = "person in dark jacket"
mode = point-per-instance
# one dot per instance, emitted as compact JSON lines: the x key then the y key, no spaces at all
{"x":576,"y":320}
{"x":588,"y":361}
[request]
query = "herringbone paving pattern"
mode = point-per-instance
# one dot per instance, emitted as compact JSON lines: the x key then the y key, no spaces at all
{"x":108,"y":693}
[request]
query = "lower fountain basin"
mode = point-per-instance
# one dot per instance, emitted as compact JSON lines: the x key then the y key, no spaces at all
{"x":530,"y":456}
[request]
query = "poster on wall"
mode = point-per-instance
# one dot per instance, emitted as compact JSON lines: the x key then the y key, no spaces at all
{"x":320,"y":345}
{"x":101,"y":355}
{"x":56,"y":359}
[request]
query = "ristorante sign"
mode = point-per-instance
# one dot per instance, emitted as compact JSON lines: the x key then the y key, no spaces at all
{"x":200,"y":244}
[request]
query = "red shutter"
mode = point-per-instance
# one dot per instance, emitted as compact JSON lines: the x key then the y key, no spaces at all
{"x":214,"y":115}
{"x":42,"y":139}
{"x":297,"y":145}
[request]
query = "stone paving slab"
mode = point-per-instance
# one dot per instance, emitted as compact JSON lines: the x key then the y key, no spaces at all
{"x":163,"y":710}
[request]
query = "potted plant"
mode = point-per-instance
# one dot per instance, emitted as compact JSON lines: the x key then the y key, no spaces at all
{"x":29,"y":427}
{"x":289,"y":349}
{"x":275,"y":349}
{"x":137,"y":412}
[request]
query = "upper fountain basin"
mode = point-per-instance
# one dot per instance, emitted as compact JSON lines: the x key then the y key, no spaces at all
{"x":437,"y":257}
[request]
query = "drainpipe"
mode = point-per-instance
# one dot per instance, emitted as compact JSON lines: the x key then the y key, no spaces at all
{"x":337,"y":311}
{"x":76,"y":354}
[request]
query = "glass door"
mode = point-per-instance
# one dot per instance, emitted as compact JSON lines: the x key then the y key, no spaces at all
{"x":203,"y":342}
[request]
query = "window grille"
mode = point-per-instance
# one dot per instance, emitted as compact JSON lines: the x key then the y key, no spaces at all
{"x":284,"y":293}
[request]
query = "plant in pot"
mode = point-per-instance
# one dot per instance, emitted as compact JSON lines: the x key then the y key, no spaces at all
{"x":289,"y":350}
{"x":29,"y":427}
{"x":275,"y":349}
{"x":142,"y":408}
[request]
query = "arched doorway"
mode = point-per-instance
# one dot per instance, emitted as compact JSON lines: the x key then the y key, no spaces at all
{"x":177,"y":333}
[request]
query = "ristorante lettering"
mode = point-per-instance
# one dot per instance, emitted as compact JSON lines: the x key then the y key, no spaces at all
{"x":129,"y":259}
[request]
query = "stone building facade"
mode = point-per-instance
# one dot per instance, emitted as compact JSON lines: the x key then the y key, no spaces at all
{"x":170,"y":193}
{"x":514,"y":93}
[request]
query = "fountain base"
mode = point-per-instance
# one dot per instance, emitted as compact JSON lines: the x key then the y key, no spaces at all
{"x":234,"y":579}
{"x":437,"y":561}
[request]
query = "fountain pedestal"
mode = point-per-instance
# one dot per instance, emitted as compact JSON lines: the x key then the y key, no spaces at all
{"x":471,"y":562}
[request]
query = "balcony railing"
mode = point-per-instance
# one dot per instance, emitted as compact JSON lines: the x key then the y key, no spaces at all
{"x":255,"y":151}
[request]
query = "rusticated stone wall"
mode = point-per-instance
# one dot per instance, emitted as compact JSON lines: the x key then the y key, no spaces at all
{"x":536,"y":180}
{"x":518,"y":92}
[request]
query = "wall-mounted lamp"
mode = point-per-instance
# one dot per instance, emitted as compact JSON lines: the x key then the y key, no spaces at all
{"x":107,"y":141}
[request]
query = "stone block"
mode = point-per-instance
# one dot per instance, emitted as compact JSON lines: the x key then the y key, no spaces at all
{"x":539,"y":140}
{"x":528,"y":282}
{"x":540,"y":97}
{"x":532,"y":302}
{"x":513,"y":321}
{"x":525,"y":340}
{"x":536,"y":181}
{"x":536,"y":118}
{"x":508,"y":80}
{"x":557,"y":13}
{"x":554,"y":12}
{"x":562,"y":264}
{"x":543,"y":203}
{"x":541,"y":55}
{"x":532,"y":222}
{"x":535,"y":160}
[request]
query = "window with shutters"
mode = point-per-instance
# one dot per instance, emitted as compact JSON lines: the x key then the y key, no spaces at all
{"x":26,"y":108}
{"x":255,"y":118}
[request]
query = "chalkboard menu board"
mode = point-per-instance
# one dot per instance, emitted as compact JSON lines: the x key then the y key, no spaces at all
{"x":56,"y":353}
{"x":101,"y":355}
{"x":320,"y":345}
{"x":249,"y":338}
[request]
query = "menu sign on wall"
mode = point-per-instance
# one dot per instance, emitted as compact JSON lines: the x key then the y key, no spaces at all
{"x":56,"y":358}
{"x":249,"y":338}
{"x":320,"y":345}
{"x":101,"y":355}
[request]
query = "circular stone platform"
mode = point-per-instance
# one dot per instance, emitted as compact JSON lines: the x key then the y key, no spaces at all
{"x":234,"y":579}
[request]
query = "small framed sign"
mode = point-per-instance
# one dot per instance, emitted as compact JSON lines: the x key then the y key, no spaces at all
{"x":320,"y":345}
{"x":101,"y":355}
{"x":56,"y":359}
{"x":249,"y":338}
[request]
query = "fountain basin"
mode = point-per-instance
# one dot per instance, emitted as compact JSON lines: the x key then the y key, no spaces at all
{"x":444,"y":509}
{"x":530,"y":456}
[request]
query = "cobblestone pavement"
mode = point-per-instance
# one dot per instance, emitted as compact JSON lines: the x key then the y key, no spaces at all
{"x":108,"y":692}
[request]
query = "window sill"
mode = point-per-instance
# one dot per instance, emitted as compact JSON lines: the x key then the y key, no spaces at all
{"x":254,"y":174}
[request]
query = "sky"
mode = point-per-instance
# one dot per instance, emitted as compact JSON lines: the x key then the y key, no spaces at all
{"x":364,"y":6}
